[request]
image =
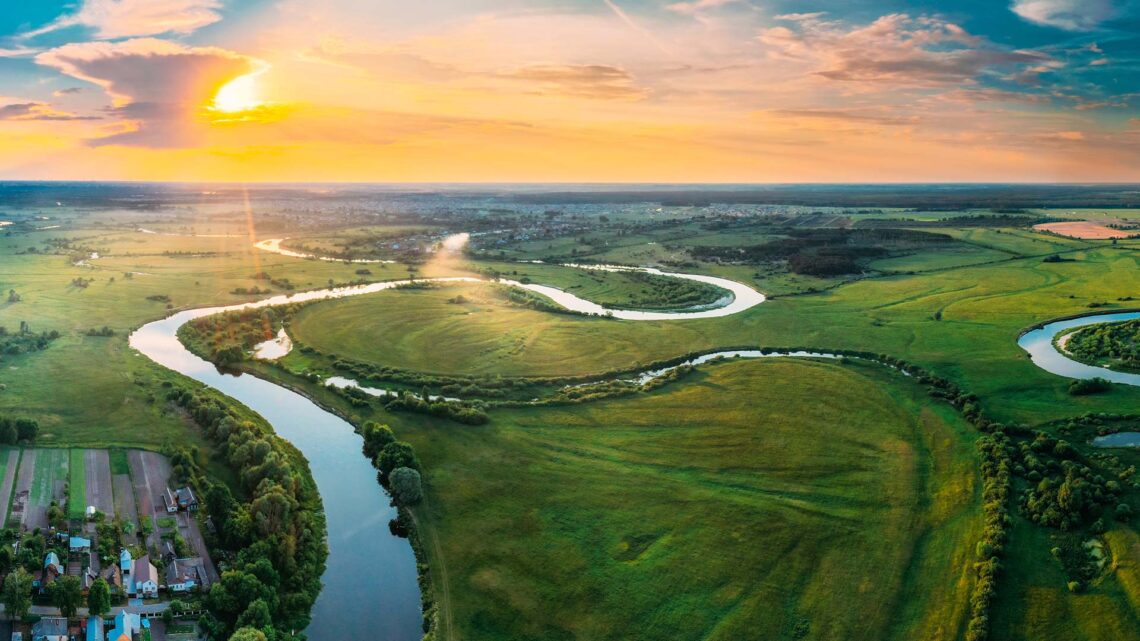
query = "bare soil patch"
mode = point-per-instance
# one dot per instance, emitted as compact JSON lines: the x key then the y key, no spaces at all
{"x":1084,"y":230}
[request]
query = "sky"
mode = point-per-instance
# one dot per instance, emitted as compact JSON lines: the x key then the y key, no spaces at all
{"x":742,"y":91}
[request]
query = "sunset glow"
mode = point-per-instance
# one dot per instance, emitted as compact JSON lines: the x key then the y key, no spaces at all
{"x":723,"y":91}
{"x":239,"y":94}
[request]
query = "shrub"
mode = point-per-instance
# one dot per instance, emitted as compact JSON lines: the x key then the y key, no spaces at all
{"x":1084,"y":387}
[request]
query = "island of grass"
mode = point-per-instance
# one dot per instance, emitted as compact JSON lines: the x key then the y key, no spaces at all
{"x":761,"y":499}
{"x":1113,"y":345}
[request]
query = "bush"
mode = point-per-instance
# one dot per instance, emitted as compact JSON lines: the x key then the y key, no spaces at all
{"x":1084,"y":387}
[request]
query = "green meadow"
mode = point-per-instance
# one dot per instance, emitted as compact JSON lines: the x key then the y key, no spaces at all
{"x":960,"y":323}
{"x":760,"y":499}
{"x":774,"y":499}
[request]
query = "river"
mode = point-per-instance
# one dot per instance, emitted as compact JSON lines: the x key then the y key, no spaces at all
{"x":370,"y":587}
{"x":1039,"y":344}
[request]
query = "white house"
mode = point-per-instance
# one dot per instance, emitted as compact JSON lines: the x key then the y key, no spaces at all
{"x":144,"y":578}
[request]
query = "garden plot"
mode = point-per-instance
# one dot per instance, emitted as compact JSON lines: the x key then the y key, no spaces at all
{"x":42,"y":478}
{"x":98,"y":478}
{"x":149,"y":475}
{"x":9,"y":463}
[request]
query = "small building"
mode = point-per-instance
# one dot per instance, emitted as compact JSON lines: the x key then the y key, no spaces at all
{"x":186,"y":499}
{"x":126,"y":625}
{"x":184,"y":575}
{"x":125,"y":561}
{"x":52,"y":570}
{"x":94,"y":628}
{"x":50,"y":629}
{"x":182,"y":499}
{"x":113,"y":575}
{"x":144,"y":578}
{"x":79,"y":545}
{"x":170,"y":500}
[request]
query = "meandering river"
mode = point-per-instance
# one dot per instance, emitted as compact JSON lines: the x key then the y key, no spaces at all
{"x":370,"y":588}
{"x":1039,"y":344}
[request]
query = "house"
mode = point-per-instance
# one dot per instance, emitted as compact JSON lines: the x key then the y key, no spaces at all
{"x":113,"y":575}
{"x":144,"y":579}
{"x":170,"y":500}
{"x":126,"y":625}
{"x":79,"y":545}
{"x":182,"y":499}
{"x":53,"y":569}
{"x":125,"y":562}
{"x":50,"y":629}
{"x":88,"y":578}
{"x":186,"y":500}
{"x":184,"y":575}
{"x":94,"y":628}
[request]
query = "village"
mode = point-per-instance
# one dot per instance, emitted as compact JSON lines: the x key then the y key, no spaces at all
{"x":113,"y":521}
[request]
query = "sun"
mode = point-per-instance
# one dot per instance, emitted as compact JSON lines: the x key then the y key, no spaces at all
{"x":239,"y":94}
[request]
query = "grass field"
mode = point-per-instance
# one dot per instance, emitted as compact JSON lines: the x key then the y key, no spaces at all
{"x":981,"y":309}
{"x":77,"y":486}
{"x":755,"y":501}
{"x":51,"y":470}
{"x":774,"y":500}
{"x":119,"y":462}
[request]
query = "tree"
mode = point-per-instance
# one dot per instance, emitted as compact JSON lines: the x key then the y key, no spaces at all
{"x":396,"y":454}
{"x":17,"y":594}
{"x":406,"y":485}
{"x":7,"y":432}
{"x":256,"y":616}
{"x":26,"y":429}
{"x":248,"y":634}
{"x":99,"y":598}
{"x":67,"y":595}
{"x":376,"y":436}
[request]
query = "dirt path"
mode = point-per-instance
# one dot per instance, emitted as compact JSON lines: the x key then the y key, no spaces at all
{"x":98,"y":474}
{"x":7,"y":483}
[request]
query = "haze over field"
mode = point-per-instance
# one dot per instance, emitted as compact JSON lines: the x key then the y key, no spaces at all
{"x":605,"y":90}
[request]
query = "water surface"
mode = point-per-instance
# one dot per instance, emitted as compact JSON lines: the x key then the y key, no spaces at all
{"x":1039,"y":344}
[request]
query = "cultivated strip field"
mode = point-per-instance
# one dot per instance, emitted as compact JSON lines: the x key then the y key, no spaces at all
{"x":149,"y":473}
{"x":9,"y":463}
{"x":98,"y":478}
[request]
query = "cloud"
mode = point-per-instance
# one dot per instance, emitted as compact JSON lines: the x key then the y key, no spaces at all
{"x":895,"y":49}
{"x":161,"y":86}
{"x":67,"y":91}
{"x":131,"y":18}
{"x":24,"y":111}
{"x":1070,"y":15}
{"x":583,"y":81}
{"x":800,"y":17}
{"x":697,"y":6}
{"x":859,"y":116}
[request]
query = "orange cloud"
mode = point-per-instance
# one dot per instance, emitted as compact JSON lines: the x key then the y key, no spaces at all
{"x":161,"y":86}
